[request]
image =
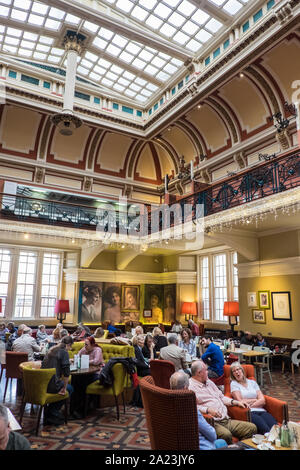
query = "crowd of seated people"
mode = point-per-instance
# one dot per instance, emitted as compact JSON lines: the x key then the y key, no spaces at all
{"x":197,"y":375}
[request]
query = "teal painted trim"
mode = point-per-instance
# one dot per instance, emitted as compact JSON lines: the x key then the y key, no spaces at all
{"x":12,"y":74}
{"x":31,"y":80}
{"x":226,"y":44}
{"x":187,"y":78}
{"x":125,"y":109}
{"x":116,"y":106}
{"x":207,"y":61}
{"x":216,"y":52}
{"x":270,"y":4}
{"x":180,"y":84}
{"x":257,"y":15}
{"x":155,"y":106}
{"x":161,"y":101}
{"x":150,"y":112}
{"x":82,"y":96}
{"x":47,"y":85}
{"x":246,"y":26}
{"x":139,"y":113}
{"x":96,"y":100}
{"x":173,"y":91}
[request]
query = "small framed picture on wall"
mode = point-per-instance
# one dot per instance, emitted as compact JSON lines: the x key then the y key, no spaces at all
{"x":259,"y":316}
{"x":147,"y":313}
{"x":281,"y":306}
{"x":252,"y":299}
{"x":264,"y":299}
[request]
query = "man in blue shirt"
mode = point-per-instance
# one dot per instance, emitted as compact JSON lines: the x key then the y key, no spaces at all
{"x":207,"y":434}
{"x":213,"y":356}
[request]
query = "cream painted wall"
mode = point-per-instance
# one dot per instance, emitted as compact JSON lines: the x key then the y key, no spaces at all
{"x":283,"y":329}
{"x":280,"y":245}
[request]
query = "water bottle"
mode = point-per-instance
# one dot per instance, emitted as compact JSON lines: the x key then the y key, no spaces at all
{"x":75,"y":361}
{"x":285,"y":438}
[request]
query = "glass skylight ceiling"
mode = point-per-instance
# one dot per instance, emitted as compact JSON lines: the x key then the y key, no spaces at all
{"x":28,"y":29}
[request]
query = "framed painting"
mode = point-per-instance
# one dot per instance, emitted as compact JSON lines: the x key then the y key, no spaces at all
{"x":154,"y":301}
{"x":259,"y":316}
{"x":130,"y":298}
{"x":252,"y":299}
{"x":90,"y":302}
{"x":111,"y":302}
{"x":264,"y":299}
{"x":281,"y":306}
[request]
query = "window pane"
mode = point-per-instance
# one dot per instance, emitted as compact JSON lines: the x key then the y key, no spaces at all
{"x":205,"y":307}
{"x":50,"y":280}
{"x":5,"y":262}
{"x":220,"y":285}
{"x":25,"y":284}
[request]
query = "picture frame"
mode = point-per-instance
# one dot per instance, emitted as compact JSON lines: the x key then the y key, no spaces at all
{"x":264,"y":299}
{"x":281,"y":306}
{"x":130,"y":298}
{"x":252,"y":299}
{"x":258,"y":316}
{"x":147,"y":313}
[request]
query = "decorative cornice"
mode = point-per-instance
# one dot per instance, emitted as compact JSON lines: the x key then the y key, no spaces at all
{"x":273,"y":267}
{"x":96,"y":275}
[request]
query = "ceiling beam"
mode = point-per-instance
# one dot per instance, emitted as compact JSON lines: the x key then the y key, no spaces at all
{"x":213,"y":10}
{"x":129,"y":30}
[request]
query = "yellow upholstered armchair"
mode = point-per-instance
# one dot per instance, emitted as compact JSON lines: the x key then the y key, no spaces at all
{"x":35,"y":382}
{"x":115,"y":390}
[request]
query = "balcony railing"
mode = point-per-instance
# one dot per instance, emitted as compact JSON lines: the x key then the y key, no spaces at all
{"x":268,"y":178}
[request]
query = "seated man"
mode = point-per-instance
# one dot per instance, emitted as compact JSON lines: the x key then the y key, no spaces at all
{"x":207,"y":434}
{"x":247,"y":339}
{"x":214,"y":355}
{"x":26,"y":343}
{"x":174,"y":354}
{"x":10,"y":440}
{"x":210,"y":400}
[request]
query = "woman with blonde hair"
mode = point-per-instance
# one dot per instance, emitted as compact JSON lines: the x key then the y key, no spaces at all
{"x":159,"y":339}
{"x":248,"y":391}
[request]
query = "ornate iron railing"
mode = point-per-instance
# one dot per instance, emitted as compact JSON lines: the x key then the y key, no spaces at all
{"x":265,"y":179}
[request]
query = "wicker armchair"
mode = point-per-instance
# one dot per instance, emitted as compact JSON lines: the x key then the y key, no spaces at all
{"x":171,"y":417}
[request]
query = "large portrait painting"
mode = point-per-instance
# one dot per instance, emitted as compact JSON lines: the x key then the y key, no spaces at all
{"x":90,"y":302}
{"x":131,"y":298}
{"x":169,"y":303}
{"x":154,"y":295}
{"x":111,"y":302}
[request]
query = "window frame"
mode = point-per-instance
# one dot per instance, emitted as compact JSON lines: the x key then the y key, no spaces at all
{"x":210,"y":254}
{"x":37,"y":291}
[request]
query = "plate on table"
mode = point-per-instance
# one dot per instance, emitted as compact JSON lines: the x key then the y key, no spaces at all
{"x":265,"y":446}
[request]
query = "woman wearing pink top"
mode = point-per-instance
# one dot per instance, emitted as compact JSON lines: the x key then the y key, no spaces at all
{"x":80,"y":383}
{"x":94,"y":352}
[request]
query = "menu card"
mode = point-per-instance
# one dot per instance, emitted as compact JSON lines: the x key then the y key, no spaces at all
{"x":85,"y":361}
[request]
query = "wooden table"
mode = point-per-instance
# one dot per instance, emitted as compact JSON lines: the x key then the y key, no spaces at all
{"x":90,"y":370}
{"x":250,"y":443}
{"x":253,"y":353}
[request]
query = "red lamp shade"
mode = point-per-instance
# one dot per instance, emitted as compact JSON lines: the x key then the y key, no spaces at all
{"x":189,"y":308}
{"x":231,"y":309}
{"x":61,"y":309}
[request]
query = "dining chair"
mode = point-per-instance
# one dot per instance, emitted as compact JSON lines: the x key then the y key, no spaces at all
{"x":161,"y":372}
{"x":35,"y":383}
{"x":264,"y":365}
{"x":171,"y":417}
{"x":13,"y":360}
{"x":116,"y":389}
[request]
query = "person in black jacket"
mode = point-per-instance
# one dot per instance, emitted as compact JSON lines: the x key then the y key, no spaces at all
{"x":149,"y":348}
{"x":142,"y":365}
{"x":58,"y":358}
{"x":159,"y":339}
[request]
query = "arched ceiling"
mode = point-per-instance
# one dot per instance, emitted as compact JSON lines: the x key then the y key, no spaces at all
{"x":237,"y":110}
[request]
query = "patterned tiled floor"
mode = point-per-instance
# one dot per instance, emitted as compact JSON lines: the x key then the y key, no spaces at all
{"x":101,"y":429}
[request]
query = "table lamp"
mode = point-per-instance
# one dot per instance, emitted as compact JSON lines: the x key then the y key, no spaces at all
{"x":189,"y":308}
{"x":231,"y":310}
{"x":61,"y":309}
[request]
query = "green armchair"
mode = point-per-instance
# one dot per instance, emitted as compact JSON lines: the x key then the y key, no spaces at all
{"x":115,"y":390}
{"x":35,"y":383}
